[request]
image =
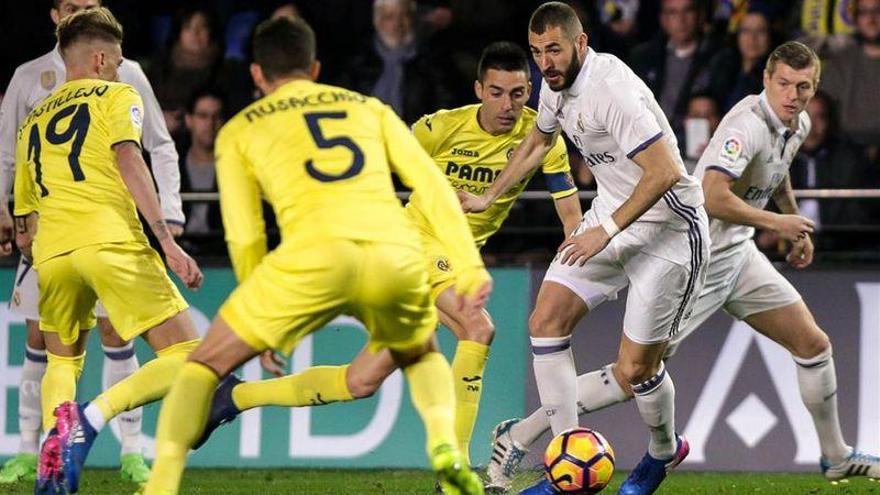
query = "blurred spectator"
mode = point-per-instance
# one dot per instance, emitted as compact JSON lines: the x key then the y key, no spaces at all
{"x":851,"y":76}
{"x":700,"y":122}
{"x":203,"y":119}
{"x":398,"y":67}
{"x":827,"y":161}
{"x":194,"y":59}
{"x":738,"y":72}
{"x":675,"y":64}
{"x":288,"y":9}
{"x":620,"y":16}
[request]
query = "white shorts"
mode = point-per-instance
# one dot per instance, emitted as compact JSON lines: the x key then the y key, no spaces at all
{"x":741,"y":281}
{"x":25,"y":298}
{"x":664,"y":268}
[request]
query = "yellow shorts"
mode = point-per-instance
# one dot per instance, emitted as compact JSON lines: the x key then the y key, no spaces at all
{"x":440,"y":270}
{"x":297,"y":290}
{"x":128,"y":277}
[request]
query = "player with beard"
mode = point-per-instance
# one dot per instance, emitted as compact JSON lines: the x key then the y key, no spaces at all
{"x":646,"y":229}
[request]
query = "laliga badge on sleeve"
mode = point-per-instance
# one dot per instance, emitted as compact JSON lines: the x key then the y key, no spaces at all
{"x":730,"y":150}
{"x":137,"y":117}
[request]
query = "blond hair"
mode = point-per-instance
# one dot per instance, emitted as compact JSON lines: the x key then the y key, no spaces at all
{"x":88,"y":25}
{"x":795,"y":55}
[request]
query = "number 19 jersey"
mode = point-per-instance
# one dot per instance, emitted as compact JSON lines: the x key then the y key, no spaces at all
{"x":66,"y":167}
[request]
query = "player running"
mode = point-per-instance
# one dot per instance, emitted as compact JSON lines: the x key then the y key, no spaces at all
{"x":323,"y":156}
{"x":746,"y":163}
{"x":80,"y":175}
{"x":33,"y":82}
{"x":470,"y":145}
{"x":646,"y":229}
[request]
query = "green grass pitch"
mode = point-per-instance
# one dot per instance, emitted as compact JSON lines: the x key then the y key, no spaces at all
{"x":413,"y":482}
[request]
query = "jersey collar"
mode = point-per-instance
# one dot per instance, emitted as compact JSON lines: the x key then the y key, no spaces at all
{"x":56,"y":55}
{"x":580,"y":82}
{"x":778,"y":126}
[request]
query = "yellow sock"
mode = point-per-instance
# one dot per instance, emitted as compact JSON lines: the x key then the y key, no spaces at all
{"x":59,"y":384}
{"x":467,"y":372}
{"x":315,"y":386}
{"x":181,"y":421}
{"x":430,"y":384}
{"x":149,"y":383}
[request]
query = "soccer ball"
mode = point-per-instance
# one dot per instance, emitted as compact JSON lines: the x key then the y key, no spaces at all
{"x":579,"y":461}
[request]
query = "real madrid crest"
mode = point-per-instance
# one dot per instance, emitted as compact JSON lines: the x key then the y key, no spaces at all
{"x":47,"y":79}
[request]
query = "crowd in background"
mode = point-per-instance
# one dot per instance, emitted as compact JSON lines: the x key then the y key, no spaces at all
{"x":698,"y":57}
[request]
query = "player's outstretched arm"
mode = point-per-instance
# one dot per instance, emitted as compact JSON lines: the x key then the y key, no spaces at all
{"x":722,"y":204}
{"x":801,"y":254}
{"x":569,"y":210}
{"x":158,"y":143}
{"x":525,"y":158}
{"x":660,"y":173}
{"x":139,"y":182}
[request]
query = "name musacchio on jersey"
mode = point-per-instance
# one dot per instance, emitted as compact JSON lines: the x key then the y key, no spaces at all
{"x":755,"y":148}
{"x":611,"y":116}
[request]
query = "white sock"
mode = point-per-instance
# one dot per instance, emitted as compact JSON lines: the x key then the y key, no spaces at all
{"x":596,"y":390}
{"x":119,"y":363}
{"x":556,"y":377}
{"x":655,"y":399}
{"x":30,"y":416}
{"x":817,"y":379}
{"x":95,"y":416}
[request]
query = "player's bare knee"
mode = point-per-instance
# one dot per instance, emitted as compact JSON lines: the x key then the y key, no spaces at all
{"x":635,"y":372}
{"x":481,"y":331}
{"x":812,"y":344}
{"x":109,"y":337}
{"x":362,"y":385}
{"x":548,"y":324}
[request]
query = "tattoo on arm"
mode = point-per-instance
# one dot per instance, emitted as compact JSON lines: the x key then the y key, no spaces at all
{"x":21,"y":225}
{"x":160,"y":230}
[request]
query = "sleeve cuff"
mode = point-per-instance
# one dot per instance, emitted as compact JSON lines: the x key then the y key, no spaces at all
{"x":638,"y":149}
{"x":559,"y":182}
{"x":543,"y":130}
{"x":564,"y":194}
{"x":730,"y":173}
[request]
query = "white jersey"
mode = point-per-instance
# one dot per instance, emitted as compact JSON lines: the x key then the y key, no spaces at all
{"x":755,"y":148}
{"x":611,"y":116}
{"x":35,"y":80}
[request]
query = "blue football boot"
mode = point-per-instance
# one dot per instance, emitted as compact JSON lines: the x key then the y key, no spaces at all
{"x":650,"y":472}
{"x":76,"y":437}
{"x":223,"y":409}
{"x":542,"y":487}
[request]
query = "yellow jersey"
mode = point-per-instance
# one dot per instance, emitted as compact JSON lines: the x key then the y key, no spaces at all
{"x":322,"y":156}
{"x":471,"y":159}
{"x":66,"y":167}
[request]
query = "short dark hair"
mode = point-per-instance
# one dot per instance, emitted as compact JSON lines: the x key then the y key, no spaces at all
{"x":205,"y":92}
{"x":795,"y":55}
{"x":555,"y":14}
{"x":503,"y":55}
{"x":284,"y":46}
{"x":88,"y":25}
